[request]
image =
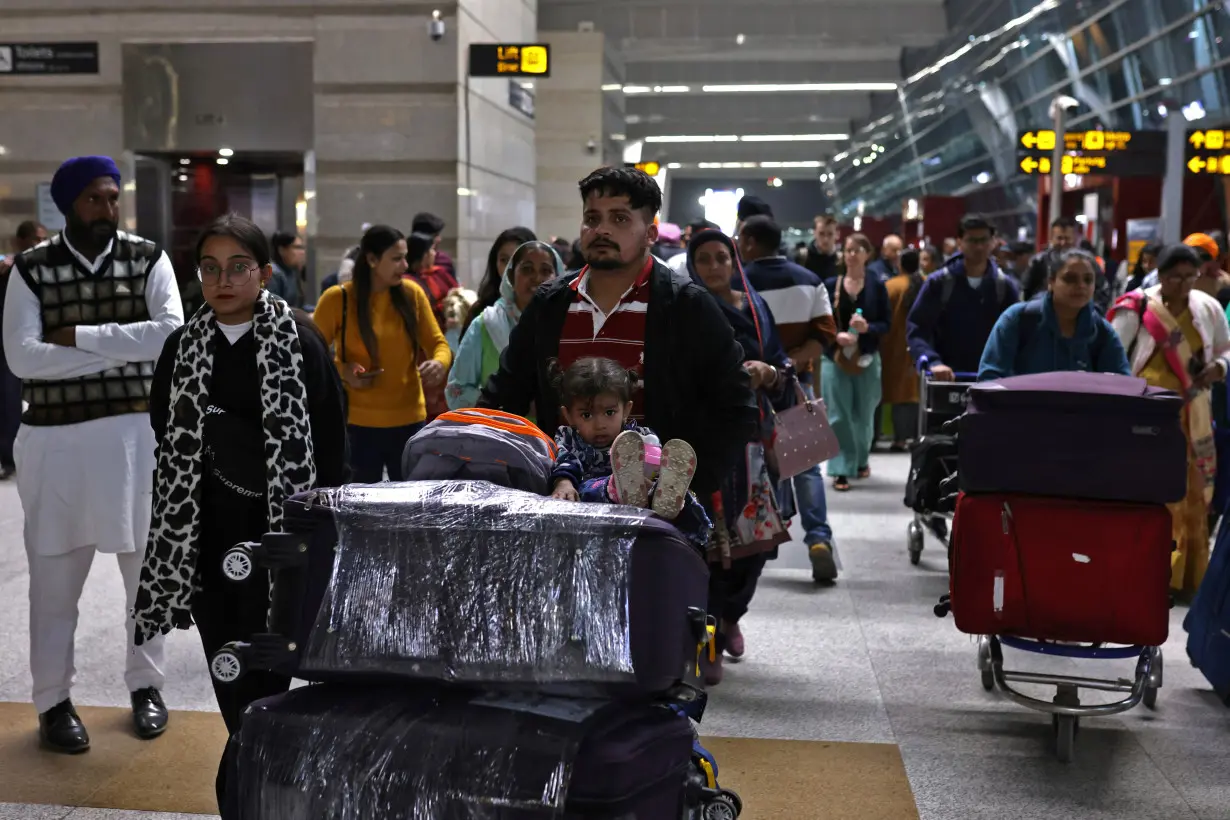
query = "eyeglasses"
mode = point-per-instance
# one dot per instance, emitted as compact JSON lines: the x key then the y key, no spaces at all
{"x":237,"y":273}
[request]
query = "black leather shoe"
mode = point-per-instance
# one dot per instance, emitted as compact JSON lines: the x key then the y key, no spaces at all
{"x":149,"y":714}
{"x":61,"y":730}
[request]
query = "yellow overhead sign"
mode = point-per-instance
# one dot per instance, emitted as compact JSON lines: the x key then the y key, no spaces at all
{"x":1209,"y":165}
{"x":1207,"y":140}
{"x":509,"y":60}
{"x":1044,"y":140}
{"x":651,"y":168}
{"x":1081,"y":166}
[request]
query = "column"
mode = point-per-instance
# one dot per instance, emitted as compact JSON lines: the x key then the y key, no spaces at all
{"x":580,"y":126}
{"x":494,"y":169}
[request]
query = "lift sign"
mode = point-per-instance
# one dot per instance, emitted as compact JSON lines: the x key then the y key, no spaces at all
{"x":510,"y":60}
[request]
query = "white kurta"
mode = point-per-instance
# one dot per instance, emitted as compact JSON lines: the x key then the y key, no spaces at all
{"x":88,"y":484}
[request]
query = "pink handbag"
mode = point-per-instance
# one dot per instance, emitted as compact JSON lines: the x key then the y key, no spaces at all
{"x":802,"y":436}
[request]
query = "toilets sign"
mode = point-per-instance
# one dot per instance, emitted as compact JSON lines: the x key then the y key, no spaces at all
{"x":48,"y":58}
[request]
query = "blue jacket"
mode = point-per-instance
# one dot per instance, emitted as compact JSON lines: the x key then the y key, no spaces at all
{"x":1026,"y":339}
{"x":955,"y":334}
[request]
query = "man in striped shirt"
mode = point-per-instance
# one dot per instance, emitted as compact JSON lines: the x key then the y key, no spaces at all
{"x":626,"y":306}
{"x":801,"y":310}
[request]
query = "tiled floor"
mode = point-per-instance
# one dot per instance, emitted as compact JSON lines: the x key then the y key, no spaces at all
{"x":865,"y":660}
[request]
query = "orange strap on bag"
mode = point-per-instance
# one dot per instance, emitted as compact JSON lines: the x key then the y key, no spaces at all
{"x":499,"y":420}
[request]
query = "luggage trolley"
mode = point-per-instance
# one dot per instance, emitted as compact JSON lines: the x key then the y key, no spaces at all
{"x":938,"y":402}
{"x":1066,"y":709}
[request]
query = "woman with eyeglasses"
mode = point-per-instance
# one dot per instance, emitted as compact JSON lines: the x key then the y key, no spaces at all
{"x":247,"y":409}
{"x":1177,"y":337}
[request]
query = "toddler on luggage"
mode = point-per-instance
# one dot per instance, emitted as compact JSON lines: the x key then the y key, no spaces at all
{"x":602,"y":451}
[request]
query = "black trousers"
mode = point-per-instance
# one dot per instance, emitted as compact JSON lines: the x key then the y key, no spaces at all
{"x":226,"y":611}
{"x":10,"y":413}
{"x":731,"y":590}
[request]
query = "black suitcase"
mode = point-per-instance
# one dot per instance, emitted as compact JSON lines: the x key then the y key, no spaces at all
{"x":422,"y":752}
{"x":932,"y":459}
{"x":473,"y":584}
{"x":1073,"y":434}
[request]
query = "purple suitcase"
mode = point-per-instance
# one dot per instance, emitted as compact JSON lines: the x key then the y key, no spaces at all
{"x":478,"y":585}
{"x":420,"y":752}
{"x":1074,"y":435}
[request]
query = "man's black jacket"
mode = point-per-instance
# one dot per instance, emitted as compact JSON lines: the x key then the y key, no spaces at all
{"x":695,"y":387}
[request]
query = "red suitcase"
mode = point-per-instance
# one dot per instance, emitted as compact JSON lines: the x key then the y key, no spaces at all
{"x":1061,"y":569}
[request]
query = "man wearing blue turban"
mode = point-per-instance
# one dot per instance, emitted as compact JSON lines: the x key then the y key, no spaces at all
{"x":85,"y":319}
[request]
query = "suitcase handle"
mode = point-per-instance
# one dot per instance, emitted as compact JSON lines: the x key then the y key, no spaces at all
{"x":500,"y":420}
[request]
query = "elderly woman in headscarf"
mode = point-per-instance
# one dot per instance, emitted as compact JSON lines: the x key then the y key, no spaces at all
{"x":747,"y":520}
{"x":478,"y":356}
{"x":1177,"y":337}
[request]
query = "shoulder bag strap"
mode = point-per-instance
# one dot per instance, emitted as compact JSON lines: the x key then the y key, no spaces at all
{"x":345,"y":309}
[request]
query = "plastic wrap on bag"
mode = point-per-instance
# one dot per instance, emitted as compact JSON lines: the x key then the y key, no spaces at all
{"x":466,"y":581}
{"x":403,"y":754}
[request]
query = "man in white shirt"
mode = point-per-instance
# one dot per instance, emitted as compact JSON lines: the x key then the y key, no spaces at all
{"x":85,"y":318}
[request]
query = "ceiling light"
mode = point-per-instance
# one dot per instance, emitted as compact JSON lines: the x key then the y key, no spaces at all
{"x":841,"y":156}
{"x":810,"y":163}
{"x":185,"y":161}
{"x":3,"y":150}
{"x":1164,"y":81}
{"x":740,"y":39}
{"x":674,"y":166}
{"x":783,"y":88}
{"x":183,"y":177}
{"x":793,"y":137}
{"x":619,"y":137}
{"x":226,"y":152}
{"x":612,"y":87}
{"x":982,"y":178}
{"x":637,"y":89}
{"x":857,"y":162}
{"x":223,"y":161}
{"x":1193,"y":111}
{"x":775,"y":182}
{"x":671,"y":89}
{"x":692,"y":139}
{"x":466,"y":192}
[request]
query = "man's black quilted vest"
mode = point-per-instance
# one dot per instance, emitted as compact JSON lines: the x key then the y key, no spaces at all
{"x":71,"y":295}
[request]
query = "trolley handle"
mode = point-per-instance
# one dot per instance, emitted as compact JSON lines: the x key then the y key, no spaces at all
{"x":957,"y":375}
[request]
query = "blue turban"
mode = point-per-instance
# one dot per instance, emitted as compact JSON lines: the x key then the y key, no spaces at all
{"x":75,"y":175}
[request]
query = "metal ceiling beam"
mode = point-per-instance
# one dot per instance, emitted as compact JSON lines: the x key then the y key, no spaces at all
{"x":651,"y":108}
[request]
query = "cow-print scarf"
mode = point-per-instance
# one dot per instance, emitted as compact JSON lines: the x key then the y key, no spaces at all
{"x":164,"y":598}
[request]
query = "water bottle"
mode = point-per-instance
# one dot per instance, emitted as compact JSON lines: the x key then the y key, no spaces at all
{"x":851,"y":349}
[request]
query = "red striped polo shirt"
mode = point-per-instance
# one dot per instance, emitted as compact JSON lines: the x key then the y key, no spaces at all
{"x":618,"y":335}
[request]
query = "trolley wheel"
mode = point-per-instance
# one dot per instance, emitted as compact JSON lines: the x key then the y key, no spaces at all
{"x":1065,"y":737}
{"x":237,"y":563}
{"x":988,"y":680}
{"x":226,"y":665}
{"x":1155,"y":680}
{"x":915,"y":541}
{"x":984,"y":663}
{"x":726,"y":806}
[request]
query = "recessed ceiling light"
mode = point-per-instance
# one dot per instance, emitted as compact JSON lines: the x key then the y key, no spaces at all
{"x":185,"y":161}
{"x":783,"y":88}
{"x":223,"y":161}
{"x":740,"y":39}
{"x":226,"y":152}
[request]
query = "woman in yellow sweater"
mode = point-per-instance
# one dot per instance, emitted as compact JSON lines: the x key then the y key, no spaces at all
{"x":376,"y":324}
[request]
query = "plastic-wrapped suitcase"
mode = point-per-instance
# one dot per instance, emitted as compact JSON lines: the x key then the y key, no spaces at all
{"x":426,"y":753}
{"x":1208,"y":621}
{"x":1074,"y":435}
{"x":1061,"y":569}
{"x":471,"y":583}
{"x":481,"y":445}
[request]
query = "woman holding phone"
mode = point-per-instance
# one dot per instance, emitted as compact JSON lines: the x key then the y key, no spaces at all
{"x":377,"y":323}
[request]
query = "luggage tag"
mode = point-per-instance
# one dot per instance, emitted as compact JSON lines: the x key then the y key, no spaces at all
{"x":710,"y":641}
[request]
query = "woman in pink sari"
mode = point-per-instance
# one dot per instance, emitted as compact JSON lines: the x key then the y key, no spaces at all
{"x":1178,"y":338}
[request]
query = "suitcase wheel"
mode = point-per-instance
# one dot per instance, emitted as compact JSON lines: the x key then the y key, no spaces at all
{"x":226,"y":665}
{"x":725,"y":806}
{"x":914,"y":541}
{"x":237,"y":563}
{"x":1155,"y":680}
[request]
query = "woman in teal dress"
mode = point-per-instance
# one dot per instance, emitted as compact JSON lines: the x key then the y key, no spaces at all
{"x":478,"y":356}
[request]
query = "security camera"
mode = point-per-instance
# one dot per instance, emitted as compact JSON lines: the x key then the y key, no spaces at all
{"x":591,"y":146}
{"x":435,"y":27}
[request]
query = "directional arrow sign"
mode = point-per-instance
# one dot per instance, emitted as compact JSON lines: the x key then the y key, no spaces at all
{"x":1197,"y":140}
{"x":1029,"y":165}
{"x":1195,"y":164}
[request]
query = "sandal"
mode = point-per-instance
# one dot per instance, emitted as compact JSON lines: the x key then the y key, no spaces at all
{"x":841,"y":484}
{"x":864,"y":472}
{"x":675,"y":477}
{"x":628,"y":480}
